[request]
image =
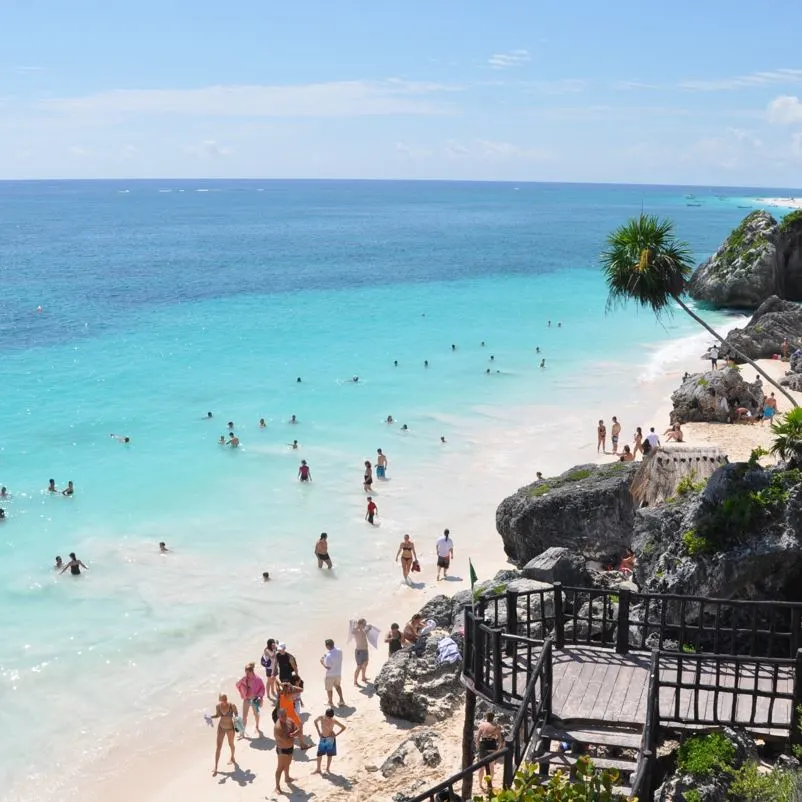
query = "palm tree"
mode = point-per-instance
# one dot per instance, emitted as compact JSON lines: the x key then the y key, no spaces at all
{"x":646,"y":264}
{"x":788,"y":437}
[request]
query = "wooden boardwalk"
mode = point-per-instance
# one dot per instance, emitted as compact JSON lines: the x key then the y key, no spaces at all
{"x":598,"y":685}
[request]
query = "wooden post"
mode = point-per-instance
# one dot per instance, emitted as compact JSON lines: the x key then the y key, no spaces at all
{"x":559,"y":627}
{"x":795,"y":735}
{"x":622,"y":628}
{"x":467,"y":657}
{"x":548,"y":681}
{"x":509,"y":771}
{"x":478,"y":655}
{"x":796,"y":624}
{"x":467,"y":742}
{"x":498,"y":684}
{"x":512,"y":619}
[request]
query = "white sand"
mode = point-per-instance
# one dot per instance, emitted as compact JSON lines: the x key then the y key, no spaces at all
{"x":782,"y":203}
{"x":515,"y":443}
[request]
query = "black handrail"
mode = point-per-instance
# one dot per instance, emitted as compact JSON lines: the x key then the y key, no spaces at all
{"x":642,"y":779}
{"x":449,"y":785}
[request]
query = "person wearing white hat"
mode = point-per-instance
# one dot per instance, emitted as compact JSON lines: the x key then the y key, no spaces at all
{"x":285,"y":663}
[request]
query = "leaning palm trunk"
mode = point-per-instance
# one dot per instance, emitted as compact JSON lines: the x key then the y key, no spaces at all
{"x":738,"y":353}
{"x":467,"y":742}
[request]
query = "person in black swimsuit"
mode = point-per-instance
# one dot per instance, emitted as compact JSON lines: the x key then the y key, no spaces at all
{"x":368,"y":478}
{"x":488,"y":740}
{"x":393,"y":639}
{"x":226,"y":712}
{"x":286,"y":664}
{"x":322,"y":551}
{"x":74,"y":564}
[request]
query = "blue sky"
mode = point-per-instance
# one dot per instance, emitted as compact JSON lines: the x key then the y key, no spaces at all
{"x":705,"y":92}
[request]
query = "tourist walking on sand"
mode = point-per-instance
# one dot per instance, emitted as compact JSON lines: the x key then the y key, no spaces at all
{"x":226,"y":712}
{"x":444,"y":549}
{"x":638,"y":446}
{"x":393,"y":640}
{"x":286,"y":703}
{"x":381,"y":464}
{"x":284,"y":733}
{"x":332,"y":661}
{"x":285,"y":664}
{"x":488,"y":740}
{"x":601,"y":438}
{"x":367,"y":479}
{"x":327,"y":730}
{"x":372,"y":511}
{"x":269,"y":664}
{"x":360,"y":632}
{"x":322,"y":551}
{"x":769,"y":408}
{"x":252,"y":692}
{"x":713,"y":354}
{"x":615,"y":431}
{"x":406,"y":551}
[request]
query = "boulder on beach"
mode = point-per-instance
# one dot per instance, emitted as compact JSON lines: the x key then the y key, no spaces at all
{"x":713,"y":396}
{"x":773,"y":322}
{"x":588,"y":510}
{"x":760,"y":258}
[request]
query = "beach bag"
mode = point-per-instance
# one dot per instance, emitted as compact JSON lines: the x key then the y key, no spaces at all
{"x":415,"y":565}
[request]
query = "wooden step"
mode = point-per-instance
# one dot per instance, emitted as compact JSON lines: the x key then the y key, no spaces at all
{"x":566,"y":760}
{"x":603,"y":736}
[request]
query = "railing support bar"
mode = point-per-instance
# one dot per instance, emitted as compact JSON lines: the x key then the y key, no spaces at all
{"x":559,"y":624}
{"x":622,"y":629}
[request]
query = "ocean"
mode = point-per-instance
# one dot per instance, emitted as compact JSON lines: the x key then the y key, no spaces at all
{"x":133,"y":308}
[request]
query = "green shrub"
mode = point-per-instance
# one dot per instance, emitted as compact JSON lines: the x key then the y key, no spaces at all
{"x":756,"y":455}
{"x":749,"y":784}
{"x":703,"y":382}
{"x":790,"y":219}
{"x":587,"y":786}
{"x":705,"y":755}
{"x":688,"y":648}
{"x":687,"y":485}
{"x":692,"y":795}
{"x":696,"y":544}
{"x":576,"y":476}
{"x":540,"y":490}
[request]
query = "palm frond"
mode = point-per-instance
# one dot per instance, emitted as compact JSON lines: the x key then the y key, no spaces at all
{"x":644,"y":263}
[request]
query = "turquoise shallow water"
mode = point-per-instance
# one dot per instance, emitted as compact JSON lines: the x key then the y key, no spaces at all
{"x":159,"y":302}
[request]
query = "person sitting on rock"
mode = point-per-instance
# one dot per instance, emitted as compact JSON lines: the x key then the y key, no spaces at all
{"x":627,"y":564}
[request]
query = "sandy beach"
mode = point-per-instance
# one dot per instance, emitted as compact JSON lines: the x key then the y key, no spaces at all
{"x":177,"y":762}
{"x":781,"y":203}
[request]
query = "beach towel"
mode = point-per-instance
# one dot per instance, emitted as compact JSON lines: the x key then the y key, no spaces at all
{"x":371,"y":631}
{"x":428,"y":627}
{"x":448,"y":651}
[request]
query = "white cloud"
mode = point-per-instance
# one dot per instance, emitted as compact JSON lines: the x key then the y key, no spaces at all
{"x":494,"y":149}
{"x":129,"y":152}
{"x":334,"y":99}
{"x":630,"y":86}
{"x":412,"y":151}
{"x":785,"y":109}
{"x":512,"y":58}
{"x":796,"y":146}
{"x":455,"y":150}
{"x":28,"y":70}
{"x":755,"y":79}
{"x":75,"y":150}
{"x":209,"y":149}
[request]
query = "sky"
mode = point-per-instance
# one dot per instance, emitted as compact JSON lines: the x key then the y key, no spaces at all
{"x":704,"y":92}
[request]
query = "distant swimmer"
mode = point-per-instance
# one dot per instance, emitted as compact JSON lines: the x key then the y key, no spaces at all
{"x":298,"y":380}
{"x":59,"y":564}
{"x":372,"y":511}
{"x":120,"y":438}
{"x":222,"y":440}
{"x":442,"y":439}
{"x":51,"y":486}
{"x":265,"y":576}
{"x":389,"y":419}
{"x":426,"y":363}
{"x":69,"y":490}
{"x":483,"y":343}
{"x":488,"y":371}
{"x":405,"y":428}
{"x":163,"y":548}
{"x":4,"y":492}
{"x":74,"y":565}
{"x":355,"y":379}
{"x":322,"y":551}
{"x":453,"y":347}
{"x":368,"y":477}
{"x":537,"y":349}
{"x":293,"y":419}
{"x":492,"y":358}
{"x":548,"y":324}
{"x":2,"y":514}
{"x":304,"y":474}
{"x":395,"y":363}
{"x":293,"y":445}
{"x":233,"y":441}
{"x":381,"y":464}
{"x":208,"y":415}
{"x":262,"y":424}
{"x":542,"y":363}
{"x":559,"y":325}
{"x":231,"y":426}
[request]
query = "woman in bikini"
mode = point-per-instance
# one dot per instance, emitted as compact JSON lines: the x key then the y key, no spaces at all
{"x":226,"y":712}
{"x":368,"y":478}
{"x":638,"y":442}
{"x":269,"y":665}
{"x":601,"y":433}
{"x":407,"y":553}
{"x":412,"y":629}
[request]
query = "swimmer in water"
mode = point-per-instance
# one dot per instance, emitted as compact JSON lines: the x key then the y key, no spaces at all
{"x":2,"y":514}
{"x":231,"y":426}
{"x":426,"y":363}
{"x":442,"y":439}
{"x":262,"y":424}
{"x":208,"y":415}
{"x":74,"y":565}
{"x":59,"y":564}
{"x":69,"y":490}
{"x":222,"y":440}
{"x":51,"y":486}
{"x":293,"y":419}
{"x":492,"y":358}
{"x":483,"y":343}
{"x":233,"y":441}
{"x":4,"y":493}
{"x":389,"y":419}
{"x":163,"y":547}
{"x":405,"y":428}
{"x":453,"y":347}
{"x":304,"y":474}
{"x":298,"y":380}
{"x":548,"y":325}
{"x":488,"y":371}
{"x":537,"y":349}
{"x":293,"y":445}
{"x":120,"y":438}
{"x":542,"y":363}
{"x":395,"y":363}
{"x":265,"y":576}
{"x":355,"y":379}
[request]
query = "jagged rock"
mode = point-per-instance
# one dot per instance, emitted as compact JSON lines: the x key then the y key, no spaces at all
{"x":419,"y":750}
{"x":558,"y":564}
{"x":425,"y":741}
{"x":702,"y":396}
{"x":412,"y":686}
{"x":439,"y":609}
{"x":761,"y":257}
{"x":743,"y":271}
{"x":773,"y":322}
{"x":588,"y":510}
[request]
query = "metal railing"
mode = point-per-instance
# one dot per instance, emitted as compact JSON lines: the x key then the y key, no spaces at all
{"x":644,"y":774}
{"x":447,"y":791}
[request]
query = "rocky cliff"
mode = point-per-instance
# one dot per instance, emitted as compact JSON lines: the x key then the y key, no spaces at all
{"x":760,"y":258}
{"x":773,"y":322}
{"x":702,"y":396}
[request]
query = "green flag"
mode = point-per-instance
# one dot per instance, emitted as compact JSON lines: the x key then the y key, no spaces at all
{"x":474,"y":578}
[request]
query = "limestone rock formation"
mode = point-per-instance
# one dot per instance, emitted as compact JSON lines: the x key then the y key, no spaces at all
{"x":558,"y":564}
{"x":743,"y":271}
{"x":587,"y":510}
{"x":702,"y":396}
{"x":419,"y":750}
{"x":774,"y":320}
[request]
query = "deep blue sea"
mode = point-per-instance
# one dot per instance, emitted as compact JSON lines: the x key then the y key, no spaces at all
{"x":134,"y":307}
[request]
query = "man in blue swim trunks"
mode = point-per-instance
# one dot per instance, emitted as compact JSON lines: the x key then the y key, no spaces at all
{"x":381,"y":464}
{"x":327,"y":731}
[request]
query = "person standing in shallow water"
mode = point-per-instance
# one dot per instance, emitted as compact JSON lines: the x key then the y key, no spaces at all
{"x":372,"y":511}
{"x":381,"y":464}
{"x":406,"y":551}
{"x":304,"y":474}
{"x":367,"y":479}
{"x":74,"y":565}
